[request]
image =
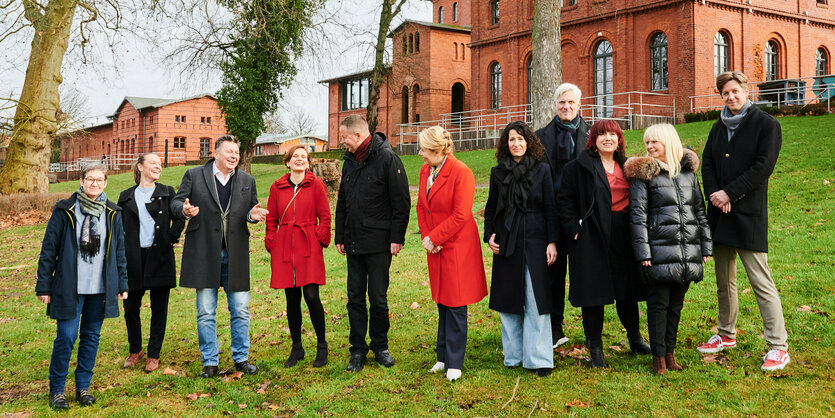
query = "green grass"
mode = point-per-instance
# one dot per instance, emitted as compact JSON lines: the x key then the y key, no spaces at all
{"x":802,"y":260}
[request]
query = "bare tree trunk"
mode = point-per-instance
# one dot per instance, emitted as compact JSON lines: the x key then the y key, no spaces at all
{"x":247,"y":152}
{"x":547,"y":64}
{"x":35,"y":120}
{"x":391,"y":8}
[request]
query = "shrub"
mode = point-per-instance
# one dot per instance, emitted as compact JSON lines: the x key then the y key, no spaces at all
{"x":24,"y":202}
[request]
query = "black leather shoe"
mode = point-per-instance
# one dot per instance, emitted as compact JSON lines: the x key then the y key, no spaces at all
{"x":58,"y":401}
{"x":296,"y":354}
{"x":384,"y":358}
{"x":545,"y":371}
{"x":356,"y":362}
{"x":208,"y":371}
{"x":246,"y":367}
{"x":84,"y":397}
{"x":596,"y":353}
{"x":639,"y":346}
{"x":321,"y":355}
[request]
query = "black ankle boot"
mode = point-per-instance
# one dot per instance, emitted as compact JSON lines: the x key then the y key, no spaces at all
{"x":296,"y":354}
{"x":596,"y":353}
{"x":639,"y":346}
{"x":321,"y":355}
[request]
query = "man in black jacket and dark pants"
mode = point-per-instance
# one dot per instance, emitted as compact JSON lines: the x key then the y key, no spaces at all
{"x":564,"y":139}
{"x":372,"y":212}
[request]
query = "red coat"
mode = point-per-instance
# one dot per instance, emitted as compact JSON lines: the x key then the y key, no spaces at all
{"x":296,"y":247}
{"x":456,"y":274}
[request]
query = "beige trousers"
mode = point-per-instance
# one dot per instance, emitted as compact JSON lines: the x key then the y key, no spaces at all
{"x":768,"y":299}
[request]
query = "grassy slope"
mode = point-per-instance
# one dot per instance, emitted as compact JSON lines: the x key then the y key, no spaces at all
{"x":802,"y":242}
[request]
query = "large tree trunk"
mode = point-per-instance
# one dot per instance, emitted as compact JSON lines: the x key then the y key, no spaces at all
{"x":35,"y":121}
{"x":547,"y":64}
{"x":247,"y":152}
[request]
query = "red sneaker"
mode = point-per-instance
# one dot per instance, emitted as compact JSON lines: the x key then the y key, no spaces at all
{"x":775,"y":360}
{"x":716,"y":344}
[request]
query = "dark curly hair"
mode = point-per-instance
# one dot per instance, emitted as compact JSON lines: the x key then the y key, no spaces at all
{"x":601,"y":127}
{"x":534,"y":149}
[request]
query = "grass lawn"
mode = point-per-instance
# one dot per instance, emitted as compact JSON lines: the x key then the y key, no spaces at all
{"x":802,"y":259}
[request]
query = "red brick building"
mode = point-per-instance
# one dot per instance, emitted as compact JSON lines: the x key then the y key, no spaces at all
{"x":666,"y":52}
{"x":178,"y":130}
{"x":277,"y":144}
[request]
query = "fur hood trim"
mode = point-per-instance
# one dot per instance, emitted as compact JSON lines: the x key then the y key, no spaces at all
{"x":645,"y":168}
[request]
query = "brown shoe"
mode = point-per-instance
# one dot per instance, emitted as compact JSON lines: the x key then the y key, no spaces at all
{"x":658,"y":365}
{"x":133,"y":358}
{"x":151,"y":365}
{"x":670,"y":360}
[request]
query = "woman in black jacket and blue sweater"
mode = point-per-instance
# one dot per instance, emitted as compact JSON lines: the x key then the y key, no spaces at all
{"x":670,"y":234}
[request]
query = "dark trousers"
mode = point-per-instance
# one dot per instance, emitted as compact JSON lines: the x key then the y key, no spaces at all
{"x":368,"y":273}
{"x":87,"y":323}
{"x":627,"y":313}
{"x":159,"y":318}
{"x":664,"y":303}
{"x":294,"y":311}
{"x":452,"y":336}
{"x":558,"y":270}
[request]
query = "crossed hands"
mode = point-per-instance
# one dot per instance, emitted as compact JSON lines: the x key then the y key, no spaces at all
{"x":430,"y":247}
{"x":550,"y":250}
{"x":395,"y":249}
{"x":721,"y":200}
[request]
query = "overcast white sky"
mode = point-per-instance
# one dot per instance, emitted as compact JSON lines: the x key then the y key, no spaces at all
{"x":141,"y":72}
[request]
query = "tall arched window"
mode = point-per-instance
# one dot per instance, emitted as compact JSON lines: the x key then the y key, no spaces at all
{"x":495,"y":85}
{"x":417,"y":41}
{"x":658,"y":61}
{"x":603,"y":79}
{"x":404,"y":107}
{"x":455,"y":45}
{"x":772,"y":59}
{"x":441,"y":14}
{"x":411,"y":43}
{"x":721,"y":53}
{"x":455,"y":12}
{"x":416,"y":112}
{"x":405,"y":44}
{"x":821,"y":62}
{"x":529,"y":66}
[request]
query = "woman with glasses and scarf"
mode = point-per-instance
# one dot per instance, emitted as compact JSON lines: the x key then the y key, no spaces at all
{"x":82,"y":274}
{"x":520,"y":226}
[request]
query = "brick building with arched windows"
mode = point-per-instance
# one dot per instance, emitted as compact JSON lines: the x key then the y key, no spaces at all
{"x":659,"y":55}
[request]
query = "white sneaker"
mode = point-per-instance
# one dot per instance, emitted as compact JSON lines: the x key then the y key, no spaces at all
{"x":439,"y":366}
{"x":453,"y":374}
{"x":561,"y":341}
{"x":775,"y":360}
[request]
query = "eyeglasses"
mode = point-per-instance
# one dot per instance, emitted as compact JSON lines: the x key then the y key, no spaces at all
{"x":95,"y":181}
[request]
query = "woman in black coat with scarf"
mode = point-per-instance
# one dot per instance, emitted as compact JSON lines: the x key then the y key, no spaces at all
{"x":520,"y":225}
{"x":670,"y":234}
{"x":150,"y":232}
{"x":593,"y":206}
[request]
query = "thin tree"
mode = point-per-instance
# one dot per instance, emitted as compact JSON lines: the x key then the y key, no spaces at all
{"x":390,"y":10}
{"x":546,"y":67}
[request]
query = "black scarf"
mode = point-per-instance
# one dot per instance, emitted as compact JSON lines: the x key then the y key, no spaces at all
{"x":90,"y":241}
{"x":516,"y":188}
{"x":566,"y":138}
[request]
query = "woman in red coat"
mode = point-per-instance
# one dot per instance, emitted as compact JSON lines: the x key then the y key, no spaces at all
{"x":453,"y":248}
{"x":298,"y":228}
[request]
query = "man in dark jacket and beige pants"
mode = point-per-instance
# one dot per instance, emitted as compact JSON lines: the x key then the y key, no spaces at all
{"x":739,"y":156}
{"x":219,"y":201}
{"x":372,"y":213}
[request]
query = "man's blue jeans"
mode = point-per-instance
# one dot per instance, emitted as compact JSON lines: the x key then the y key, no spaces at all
{"x":238,"y":303}
{"x":89,"y":314}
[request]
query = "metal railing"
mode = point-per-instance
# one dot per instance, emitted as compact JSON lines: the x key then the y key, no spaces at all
{"x":470,"y":126}
{"x":634,"y":109}
{"x":115,"y":162}
{"x":800,"y":91}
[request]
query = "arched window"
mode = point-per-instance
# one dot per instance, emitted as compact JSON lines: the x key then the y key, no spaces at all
{"x":415,"y":92}
{"x":462,"y":51}
{"x":441,"y":14}
{"x":603,"y":79}
{"x":454,"y":12}
{"x":721,"y":53}
{"x":821,"y":62}
{"x":495,"y":85}
{"x":772,"y":59}
{"x":658,"y":61}
{"x":494,"y":12}
{"x":411,"y":43}
{"x":417,"y":41}
{"x":455,"y":45}
{"x":529,"y":66}
{"x":404,"y":110}
{"x":405,"y":44}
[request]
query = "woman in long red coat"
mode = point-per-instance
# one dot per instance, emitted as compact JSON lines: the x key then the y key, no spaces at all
{"x":453,"y":248}
{"x":298,"y":228}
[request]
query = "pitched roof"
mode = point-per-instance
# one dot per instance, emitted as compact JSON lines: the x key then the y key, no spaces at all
{"x":140,"y":103}
{"x":366,"y":71}
{"x":432,"y":25}
{"x":282,"y":138}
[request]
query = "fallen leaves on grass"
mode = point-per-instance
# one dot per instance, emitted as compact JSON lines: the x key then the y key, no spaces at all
{"x":616,"y":347}
{"x":577,"y":351}
{"x":197,"y":395}
{"x":715,"y":358}
{"x":424,"y":283}
{"x":262,"y":388}
{"x":414,"y":306}
{"x":576,"y":403}
{"x":232,"y":376}
{"x":242,"y":405}
{"x":807,"y":308}
{"x":746,"y":290}
{"x":169,"y":372}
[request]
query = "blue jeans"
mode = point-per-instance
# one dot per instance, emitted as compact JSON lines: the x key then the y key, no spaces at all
{"x":238,"y":303}
{"x":90,"y":315}
{"x":526,"y":339}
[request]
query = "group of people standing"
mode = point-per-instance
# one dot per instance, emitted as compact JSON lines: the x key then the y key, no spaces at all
{"x":562,"y":198}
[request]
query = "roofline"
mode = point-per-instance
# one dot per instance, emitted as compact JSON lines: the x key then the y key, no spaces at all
{"x":433,"y":25}
{"x":352,"y":75}
{"x":166,"y":103}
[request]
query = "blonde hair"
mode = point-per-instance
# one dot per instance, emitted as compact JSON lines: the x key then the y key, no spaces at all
{"x":666,"y":134}
{"x":728,"y":76}
{"x":436,"y":138}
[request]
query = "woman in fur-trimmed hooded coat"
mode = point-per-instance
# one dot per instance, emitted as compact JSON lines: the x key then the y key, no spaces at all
{"x":670,"y":235}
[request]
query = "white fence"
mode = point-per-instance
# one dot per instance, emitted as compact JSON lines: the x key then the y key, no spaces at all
{"x":114,"y":162}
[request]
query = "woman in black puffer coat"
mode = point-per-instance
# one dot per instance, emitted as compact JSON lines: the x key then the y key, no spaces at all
{"x":670,"y":234}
